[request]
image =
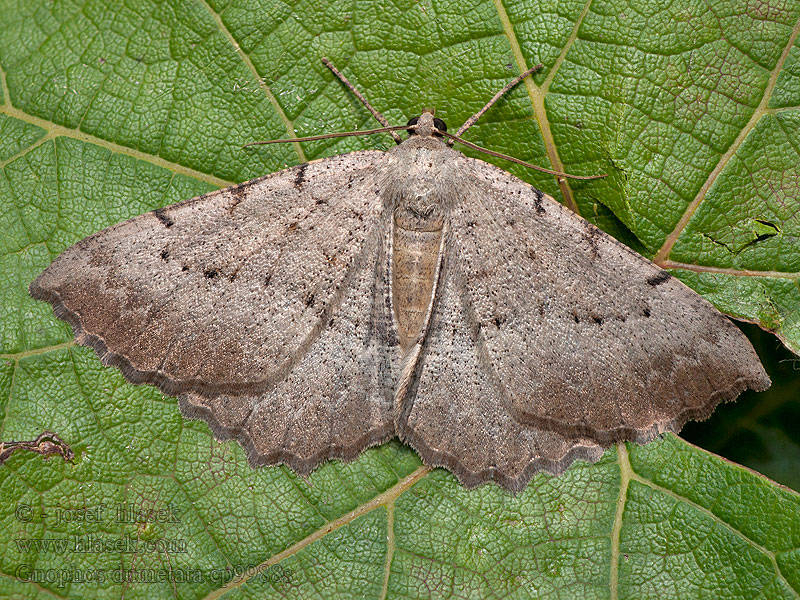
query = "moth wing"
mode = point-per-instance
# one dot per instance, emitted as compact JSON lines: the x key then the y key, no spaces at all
{"x":586,"y":337}
{"x":337,"y":399}
{"x":225,"y":292}
{"x":456,"y":415}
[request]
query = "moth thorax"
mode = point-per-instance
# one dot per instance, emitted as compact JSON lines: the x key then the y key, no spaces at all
{"x":416,"y":243}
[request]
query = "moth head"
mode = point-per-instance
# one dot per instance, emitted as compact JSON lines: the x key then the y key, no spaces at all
{"x":426,"y":124}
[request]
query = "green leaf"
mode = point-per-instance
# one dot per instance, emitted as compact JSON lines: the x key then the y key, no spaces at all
{"x":112,"y":109}
{"x":760,"y":430}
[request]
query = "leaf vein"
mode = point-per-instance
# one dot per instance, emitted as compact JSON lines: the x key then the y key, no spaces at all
{"x":663,"y":253}
{"x":716,"y":519}
{"x":260,"y":80}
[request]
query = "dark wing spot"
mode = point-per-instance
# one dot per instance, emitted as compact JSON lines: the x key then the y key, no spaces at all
{"x":592,"y":234}
{"x":184,"y":268}
{"x":646,"y":311}
{"x":597,"y":320}
{"x":239,"y":192}
{"x":309,"y":300}
{"x":267,"y":279}
{"x":300,"y":175}
{"x":537,"y":201}
{"x":210,"y":273}
{"x":658,"y":278}
{"x":575,"y":316}
{"x":47,"y":444}
{"x":165,"y":254}
{"x":161,"y":215}
{"x":498,"y":321}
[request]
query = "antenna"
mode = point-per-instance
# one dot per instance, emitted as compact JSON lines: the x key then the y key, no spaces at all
{"x":381,"y":119}
{"x":471,"y":121}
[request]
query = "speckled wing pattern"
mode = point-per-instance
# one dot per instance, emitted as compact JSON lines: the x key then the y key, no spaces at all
{"x":456,"y":415}
{"x":261,"y":306}
{"x":581,"y":335}
{"x":336,"y":400}
{"x":549,"y":341}
{"x":267,"y":308}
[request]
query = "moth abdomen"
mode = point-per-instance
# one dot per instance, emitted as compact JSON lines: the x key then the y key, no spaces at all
{"x":414,"y":259}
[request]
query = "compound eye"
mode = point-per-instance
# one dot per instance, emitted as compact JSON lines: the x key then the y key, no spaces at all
{"x":412,"y":121}
{"x":439,"y":124}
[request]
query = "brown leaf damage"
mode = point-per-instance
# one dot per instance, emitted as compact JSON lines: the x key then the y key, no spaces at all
{"x":47,"y":444}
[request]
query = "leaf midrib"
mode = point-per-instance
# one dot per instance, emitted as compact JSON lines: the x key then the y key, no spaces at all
{"x":388,"y":497}
{"x":683,"y":499}
{"x":761,"y":110}
{"x":54,"y":131}
{"x":537,"y":94}
{"x":385,"y":499}
{"x":260,"y":80}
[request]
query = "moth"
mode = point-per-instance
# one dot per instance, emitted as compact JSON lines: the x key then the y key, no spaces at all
{"x":418,"y":293}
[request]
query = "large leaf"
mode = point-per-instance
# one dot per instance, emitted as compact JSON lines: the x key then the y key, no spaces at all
{"x":111,"y":110}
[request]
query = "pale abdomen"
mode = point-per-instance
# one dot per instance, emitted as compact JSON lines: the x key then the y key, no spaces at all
{"x":414,"y":260}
